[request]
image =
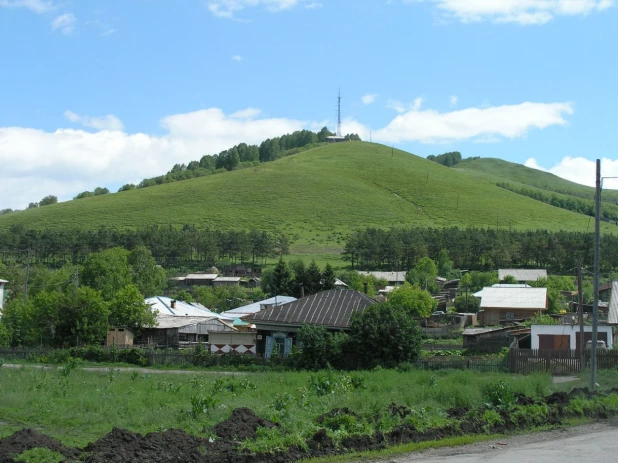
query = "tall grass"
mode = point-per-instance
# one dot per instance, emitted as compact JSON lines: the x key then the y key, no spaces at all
{"x":78,"y":406}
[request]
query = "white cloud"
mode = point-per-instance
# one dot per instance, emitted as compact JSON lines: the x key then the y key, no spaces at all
{"x":36,"y":6}
{"x":248,"y":113}
{"x":67,"y":161}
{"x":418,"y":102}
{"x":314,"y":5}
{"x":581,"y":170}
{"x":477,"y":124}
{"x":526,"y":12}
{"x":396,"y":105}
{"x":228,"y":8}
{"x":237,"y":58}
{"x":65,"y":23}
{"x":454,"y":100}
{"x":108,"y":122}
{"x":369,"y":98}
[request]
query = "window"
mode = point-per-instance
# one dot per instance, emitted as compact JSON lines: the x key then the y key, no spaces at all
{"x":510,"y":315}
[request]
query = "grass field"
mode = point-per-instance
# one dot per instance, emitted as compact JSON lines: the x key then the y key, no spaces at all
{"x":532,"y":177}
{"x":78,"y":407}
{"x":317,"y":198}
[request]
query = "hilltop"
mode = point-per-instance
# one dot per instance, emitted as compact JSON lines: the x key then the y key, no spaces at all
{"x":316,"y":197}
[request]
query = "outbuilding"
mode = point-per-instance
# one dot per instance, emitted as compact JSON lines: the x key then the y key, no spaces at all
{"x":2,"y":285}
{"x":566,"y":337}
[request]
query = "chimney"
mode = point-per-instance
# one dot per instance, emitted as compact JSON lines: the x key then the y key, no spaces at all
{"x":366,"y":285}
{"x":173,"y":304}
{"x":302,"y":290}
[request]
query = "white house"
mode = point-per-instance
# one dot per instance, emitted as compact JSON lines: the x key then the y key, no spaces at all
{"x":2,"y":283}
{"x":566,"y":337}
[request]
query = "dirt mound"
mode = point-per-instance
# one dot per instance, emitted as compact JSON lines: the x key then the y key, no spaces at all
{"x":27,"y":439}
{"x":242,"y":424}
{"x":587,"y":393}
{"x":457,"y":413}
{"x":321,"y":440}
{"x":125,"y":446}
{"x":399,"y":410}
{"x":335,"y":412}
{"x":558,"y":398}
{"x":523,"y":399}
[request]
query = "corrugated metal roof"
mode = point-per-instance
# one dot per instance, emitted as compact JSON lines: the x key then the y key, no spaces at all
{"x":328,"y":308}
{"x":227,"y":279}
{"x":170,"y":321}
{"x":514,"y":298}
{"x":257,"y":306}
{"x":163,"y":305}
{"x":200,"y":325}
{"x":399,"y":277}
{"x":503,"y":285}
{"x":201,"y":276}
{"x":612,"y":316}
{"x":522,"y":274}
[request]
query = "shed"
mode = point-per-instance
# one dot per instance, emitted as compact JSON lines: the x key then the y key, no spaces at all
{"x":226,"y":281}
{"x":119,"y":337}
{"x":487,"y":339}
{"x":173,"y":331}
{"x":566,"y":337}
{"x":199,"y":279}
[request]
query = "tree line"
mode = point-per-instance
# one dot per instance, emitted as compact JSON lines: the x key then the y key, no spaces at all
{"x":242,"y":156}
{"x":76,"y":304}
{"x":582,"y":206}
{"x":478,"y":249}
{"x":167,"y":243}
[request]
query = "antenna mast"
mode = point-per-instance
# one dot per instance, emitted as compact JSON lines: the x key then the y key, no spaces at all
{"x":339,"y":114}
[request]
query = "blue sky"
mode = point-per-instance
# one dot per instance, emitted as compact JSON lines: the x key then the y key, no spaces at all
{"x":105,"y":92}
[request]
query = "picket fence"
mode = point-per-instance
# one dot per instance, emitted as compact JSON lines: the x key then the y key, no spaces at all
{"x":558,"y":362}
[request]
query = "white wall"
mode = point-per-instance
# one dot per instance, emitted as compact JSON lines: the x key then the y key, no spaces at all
{"x":570,"y":330}
{"x":1,"y":295}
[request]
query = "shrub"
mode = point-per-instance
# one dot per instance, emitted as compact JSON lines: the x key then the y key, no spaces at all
{"x":498,"y":394}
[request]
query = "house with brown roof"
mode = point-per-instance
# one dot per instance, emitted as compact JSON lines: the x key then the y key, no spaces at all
{"x":277,"y":326}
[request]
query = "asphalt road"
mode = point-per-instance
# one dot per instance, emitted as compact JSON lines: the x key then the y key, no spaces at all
{"x":595,"y":443}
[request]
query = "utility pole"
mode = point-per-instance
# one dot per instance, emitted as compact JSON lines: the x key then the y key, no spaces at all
{"x":580,"y":305}
{"x":595,"y":307}
{"x":27,"y":276}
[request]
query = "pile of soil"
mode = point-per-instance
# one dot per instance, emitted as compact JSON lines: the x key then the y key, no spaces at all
{"x":158,"y":447}
{"x":27,"y":439}
{"x":242,"y":424}
{"x":177,"y":446}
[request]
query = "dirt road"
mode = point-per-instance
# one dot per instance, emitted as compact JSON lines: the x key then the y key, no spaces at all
{"x":597,"y":443}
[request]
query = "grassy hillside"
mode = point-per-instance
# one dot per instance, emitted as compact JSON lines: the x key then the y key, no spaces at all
{"x":532,"y":177}
{"x":316,"y":197}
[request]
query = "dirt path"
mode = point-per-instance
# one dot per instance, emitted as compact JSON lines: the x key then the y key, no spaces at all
{"x":129,"y":370}
{"x":596,"y":443}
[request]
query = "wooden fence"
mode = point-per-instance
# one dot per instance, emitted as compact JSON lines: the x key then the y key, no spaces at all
{"x":558,"y":362}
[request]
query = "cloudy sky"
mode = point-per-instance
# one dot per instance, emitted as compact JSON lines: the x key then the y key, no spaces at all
{"x":106,"y":92}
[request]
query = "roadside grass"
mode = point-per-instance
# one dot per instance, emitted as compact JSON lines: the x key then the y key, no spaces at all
{"x":79,"y":406}
{"x":317,"y":198}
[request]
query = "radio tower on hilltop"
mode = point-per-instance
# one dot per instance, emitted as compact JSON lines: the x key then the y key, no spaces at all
{"x":337,"y":137}
{"x":339,"y":114}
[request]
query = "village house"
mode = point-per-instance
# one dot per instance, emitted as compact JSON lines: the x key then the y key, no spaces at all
{"x":393,"y":278}
{"x":522,"y":275}
{"x":226,"y":281}
{"x":197,"y":279}
{"x":333,"y":309}
{"x":250,"y":309}
{"x":167,"y":306}
{"x":176,"y":331}
{"x":509,"y":305}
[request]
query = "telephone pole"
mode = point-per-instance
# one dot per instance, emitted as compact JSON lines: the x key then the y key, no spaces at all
{"x":595,"y":307}
{"x":580,"y":306}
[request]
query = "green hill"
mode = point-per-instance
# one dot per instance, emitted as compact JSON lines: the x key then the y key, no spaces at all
{"x":533,"y":177}
{"x":317,"y":197}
